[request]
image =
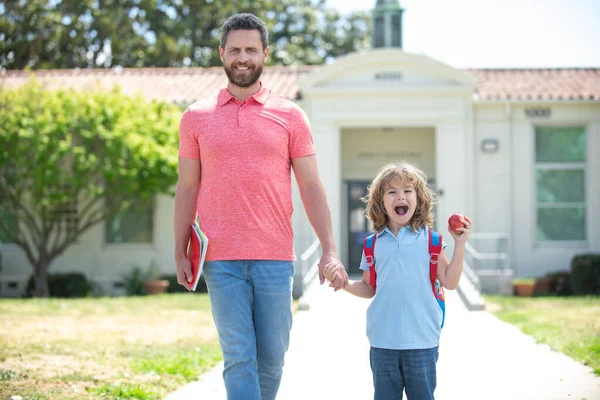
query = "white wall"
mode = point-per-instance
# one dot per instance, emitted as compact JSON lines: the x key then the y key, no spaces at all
{"x":505,"y":181}
{"x":102,"y":263}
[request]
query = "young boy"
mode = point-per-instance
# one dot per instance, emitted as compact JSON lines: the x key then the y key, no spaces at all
{"x":404,"y":319}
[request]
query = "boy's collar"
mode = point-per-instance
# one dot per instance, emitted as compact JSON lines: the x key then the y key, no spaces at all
{"x":386,"y":229}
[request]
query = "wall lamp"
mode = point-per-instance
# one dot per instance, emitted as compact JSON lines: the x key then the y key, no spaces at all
{"x":490,"y":145}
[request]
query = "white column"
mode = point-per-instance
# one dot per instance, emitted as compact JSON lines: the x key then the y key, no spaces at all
{"x":326,"y":136}
{"x":452,"y":169}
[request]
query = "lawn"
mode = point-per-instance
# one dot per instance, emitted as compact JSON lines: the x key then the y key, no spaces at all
{"x":570,"y":325}
{"x":104,"y":348}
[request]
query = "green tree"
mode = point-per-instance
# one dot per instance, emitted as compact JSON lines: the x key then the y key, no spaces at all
{"x":70,"y":160}
{"x":166,"y":33}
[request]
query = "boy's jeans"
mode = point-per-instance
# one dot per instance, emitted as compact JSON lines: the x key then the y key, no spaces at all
{"x":410,"y":370}
{"x":252,"y":307}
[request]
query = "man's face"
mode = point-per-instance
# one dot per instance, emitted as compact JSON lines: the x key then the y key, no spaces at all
{"x":243,"y":57}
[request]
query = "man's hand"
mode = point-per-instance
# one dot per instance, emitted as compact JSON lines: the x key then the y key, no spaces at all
{"x":184,"y":273}
{"x":336,"y":271}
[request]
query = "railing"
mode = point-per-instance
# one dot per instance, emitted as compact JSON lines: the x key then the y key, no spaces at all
{"x":492,"y":254}
{"x":306,"y":268}
{"x":487,"y":267}
{"x":471,"y":275}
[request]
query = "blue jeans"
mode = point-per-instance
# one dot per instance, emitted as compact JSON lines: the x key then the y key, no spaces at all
{"x":252,"y":307}
{"x":398,"y":370}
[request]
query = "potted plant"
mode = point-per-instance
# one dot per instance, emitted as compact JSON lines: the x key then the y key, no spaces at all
{"x":524,"y":287}
{"x":154,"y":284}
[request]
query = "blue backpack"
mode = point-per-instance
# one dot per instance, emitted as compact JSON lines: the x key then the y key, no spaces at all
{"x":435,"y":248}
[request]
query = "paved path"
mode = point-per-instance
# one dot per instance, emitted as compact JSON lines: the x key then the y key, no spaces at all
{"x":481,"y":358}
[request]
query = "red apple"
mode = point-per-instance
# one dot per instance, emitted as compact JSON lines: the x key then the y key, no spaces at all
{"x":456,"y":220}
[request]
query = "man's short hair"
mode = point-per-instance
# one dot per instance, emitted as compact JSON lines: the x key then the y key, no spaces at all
{"x":247,"y":22}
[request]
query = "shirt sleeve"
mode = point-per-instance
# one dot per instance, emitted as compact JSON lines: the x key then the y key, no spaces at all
{"x":189,"y":145}
{"x":363,"y":262}
{"x":301,"y":140}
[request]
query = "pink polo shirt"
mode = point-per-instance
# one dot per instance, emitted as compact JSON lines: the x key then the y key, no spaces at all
{"x":245,"y":149}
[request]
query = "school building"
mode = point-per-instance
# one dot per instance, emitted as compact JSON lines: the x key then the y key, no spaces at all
{"x":518,"y":150}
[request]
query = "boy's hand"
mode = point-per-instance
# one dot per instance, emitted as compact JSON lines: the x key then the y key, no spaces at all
{"x":464,"y":232}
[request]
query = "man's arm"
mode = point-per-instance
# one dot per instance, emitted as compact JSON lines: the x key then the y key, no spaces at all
{"x":314,"y":199}
{"x":183,"y":215}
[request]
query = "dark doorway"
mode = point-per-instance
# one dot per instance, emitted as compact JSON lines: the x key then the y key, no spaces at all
{"x":359,"y":227}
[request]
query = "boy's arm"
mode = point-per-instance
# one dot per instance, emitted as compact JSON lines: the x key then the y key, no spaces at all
{"x":358,"y":288}
{"x":449,"y":271}
{"x":361,"y":288}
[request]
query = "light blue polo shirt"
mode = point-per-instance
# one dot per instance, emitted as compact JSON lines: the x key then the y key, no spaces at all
{"x":404,"y":313}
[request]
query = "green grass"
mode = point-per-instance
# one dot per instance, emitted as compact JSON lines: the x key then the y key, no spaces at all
{"x":570,"y":325}
{"x":188,"y":364}
{"x":99,"y":348}
{"x":125,"y":391}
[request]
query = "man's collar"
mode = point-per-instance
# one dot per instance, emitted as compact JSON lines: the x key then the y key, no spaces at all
{"x":260,"y":96}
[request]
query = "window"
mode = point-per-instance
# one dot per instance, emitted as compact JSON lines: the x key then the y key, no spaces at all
{"x":8,"y":222}
{"x":7,"y":181}
{"x":132,"y":226}
{"x":379,"y":32}
{"x":396,"y":30}
{"x":560,"y":182}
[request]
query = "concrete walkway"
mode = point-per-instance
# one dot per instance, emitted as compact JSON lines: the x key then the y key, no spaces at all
{"x":481,"y":358}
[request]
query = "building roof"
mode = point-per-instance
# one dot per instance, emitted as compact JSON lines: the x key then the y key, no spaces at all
{"x":537,"y":84}
{"x":186,"y":85}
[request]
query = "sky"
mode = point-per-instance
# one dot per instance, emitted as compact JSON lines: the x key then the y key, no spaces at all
{"x":498,"y":33}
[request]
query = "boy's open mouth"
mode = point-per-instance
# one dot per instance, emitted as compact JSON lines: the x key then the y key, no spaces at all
{"x":401,"y":210}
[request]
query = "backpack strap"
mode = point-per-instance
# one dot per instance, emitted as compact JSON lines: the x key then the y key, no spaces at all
{"x":369,"y":250}
{"x":435,"y":249}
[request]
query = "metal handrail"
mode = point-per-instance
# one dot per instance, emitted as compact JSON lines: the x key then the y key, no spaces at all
{"x":488,"y":235}
{"x":310,"y":250}
{"x":472,"y":276}
{"x":309,"y":268}
{"x":484,"y":256}
{"x":313,"y":270}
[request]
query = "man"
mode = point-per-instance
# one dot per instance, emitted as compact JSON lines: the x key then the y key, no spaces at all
{"x":236,"y":152}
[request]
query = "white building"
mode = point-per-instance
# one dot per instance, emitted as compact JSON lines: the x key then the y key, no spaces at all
{"x":518,"y":150}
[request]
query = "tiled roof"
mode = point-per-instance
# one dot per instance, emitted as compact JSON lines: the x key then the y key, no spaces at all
{"x":186,"y":85}
{"x":175,"y":85}
{"x":537,"y":84}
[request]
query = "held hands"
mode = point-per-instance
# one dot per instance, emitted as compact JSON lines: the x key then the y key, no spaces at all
{"x":331,"y":267}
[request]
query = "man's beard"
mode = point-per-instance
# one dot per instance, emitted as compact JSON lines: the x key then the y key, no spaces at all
{"x":245,"y":80}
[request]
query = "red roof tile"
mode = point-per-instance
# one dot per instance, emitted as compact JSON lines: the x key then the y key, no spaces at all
{"x":175,"y":85}
{"x":537,"y":84}
{"x":186,"y":85}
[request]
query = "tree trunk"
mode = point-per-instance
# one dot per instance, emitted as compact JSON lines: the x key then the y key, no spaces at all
{"x":41,"y":280}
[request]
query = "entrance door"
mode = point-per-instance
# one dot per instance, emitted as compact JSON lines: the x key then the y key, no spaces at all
{"x":359,"y":227}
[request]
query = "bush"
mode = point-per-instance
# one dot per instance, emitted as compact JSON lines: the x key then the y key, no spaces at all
{"x":68,"y":284}
{"x":585,"y":274}
{"x":133,"y":282}
{"x":560,"y":283}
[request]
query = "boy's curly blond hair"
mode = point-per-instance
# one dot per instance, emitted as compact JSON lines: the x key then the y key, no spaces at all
{"x":405,"y":173}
